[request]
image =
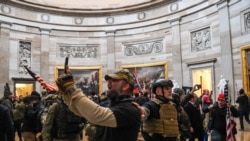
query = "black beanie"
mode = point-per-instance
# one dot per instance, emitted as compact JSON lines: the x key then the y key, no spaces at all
{"x":178,"y":91}
{"x":241,"y":91}
{"x":35,"y":93}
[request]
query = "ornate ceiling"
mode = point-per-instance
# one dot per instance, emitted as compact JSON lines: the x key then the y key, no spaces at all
{"x":88,"y":7}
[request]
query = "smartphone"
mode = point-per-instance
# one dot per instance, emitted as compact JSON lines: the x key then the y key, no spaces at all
{"x":66,"y":64}
{"x":198,"y":86}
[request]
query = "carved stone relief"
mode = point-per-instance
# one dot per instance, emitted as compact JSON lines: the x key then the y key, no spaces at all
{"x":78,"y":51}
{"x":141,"y":16}
{"x":78,"y":21}
{"x":5,"y":9}
{"x":45,"y":17}
{"x":174,"y":7}
{"x":144,"y":48}
{"x":110,"y":20}
{"x":24,"y":56}
{"x":200,"y":39}
{"x":247,"y":21}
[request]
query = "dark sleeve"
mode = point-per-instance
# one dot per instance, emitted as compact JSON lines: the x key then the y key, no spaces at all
{"x":238,"y":100}
{"x":205,"y":108}
{"x":9,"y":126}
{"x":234,"y":111}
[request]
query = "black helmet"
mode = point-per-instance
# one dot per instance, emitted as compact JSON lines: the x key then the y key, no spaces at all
{"x":161,"y":83}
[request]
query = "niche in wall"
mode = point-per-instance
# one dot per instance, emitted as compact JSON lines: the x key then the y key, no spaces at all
{"x":23,"y":86}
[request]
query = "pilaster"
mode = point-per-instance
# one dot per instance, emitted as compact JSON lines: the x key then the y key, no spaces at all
{"x":110,"y":51}
{"x":4,"y":54}
{"x":45,"y":46}
{"x":177,"y":56}
{"x":226,"y":46}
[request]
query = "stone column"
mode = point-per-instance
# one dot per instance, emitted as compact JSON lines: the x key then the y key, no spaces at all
{"x":226,"y":47}
{"x":4,"y":55}
{"x":177,"y":56}
{"x":44,"y":58}
{"x":110,"y":51}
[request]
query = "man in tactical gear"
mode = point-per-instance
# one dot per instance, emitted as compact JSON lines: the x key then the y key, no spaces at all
{"x":61,"y":124}
{"x":183,"y":119}
{"x":160,"y":121}
{"x":120,"y":121}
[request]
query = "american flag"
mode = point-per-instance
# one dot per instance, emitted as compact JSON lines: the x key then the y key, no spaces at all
{"x":230,"y":121}
{"x":44,"y":84}
{"x":136,"y":79}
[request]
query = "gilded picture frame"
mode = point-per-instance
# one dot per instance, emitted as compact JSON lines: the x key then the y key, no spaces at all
{"x":245,"y":65}
{"x":148,"y":73}
{"x":88,"y":79}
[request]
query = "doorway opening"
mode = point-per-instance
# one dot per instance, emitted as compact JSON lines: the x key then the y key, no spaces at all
{"x":202,"y":76}
{"x":23,"y":86}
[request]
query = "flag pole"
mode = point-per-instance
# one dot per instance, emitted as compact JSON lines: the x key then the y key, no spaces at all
{"x":229,"y":121}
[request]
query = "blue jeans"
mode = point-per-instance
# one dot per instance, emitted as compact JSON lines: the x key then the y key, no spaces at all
{"x":205,"y":136}
{"x":216,"y":136}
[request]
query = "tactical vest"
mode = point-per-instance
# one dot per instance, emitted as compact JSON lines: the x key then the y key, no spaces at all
{"x":66,"y":122}
{"x":167,"y":125}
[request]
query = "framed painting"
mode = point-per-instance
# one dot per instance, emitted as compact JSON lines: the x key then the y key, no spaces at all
{"x":245,"y":66}
{"x":147,"y":73}
{"x":88,"y":79}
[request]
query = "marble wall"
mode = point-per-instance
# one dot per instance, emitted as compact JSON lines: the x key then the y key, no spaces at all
{"x":185,"y":34}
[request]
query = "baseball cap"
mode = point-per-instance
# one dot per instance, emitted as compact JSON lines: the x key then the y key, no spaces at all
{"x":122,"y":74}
{"x":221,"y":96}
{"x":206,"y":99}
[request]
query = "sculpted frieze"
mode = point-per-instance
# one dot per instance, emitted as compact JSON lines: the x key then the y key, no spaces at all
{"x":78,"y":51}
{"x":24,"y":56}
{"x":143,"y":48}
{"x":247,"y":21}
{"x":200,"y":39}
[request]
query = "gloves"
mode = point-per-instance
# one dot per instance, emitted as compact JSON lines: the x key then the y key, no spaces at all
{"x":66,"y":84}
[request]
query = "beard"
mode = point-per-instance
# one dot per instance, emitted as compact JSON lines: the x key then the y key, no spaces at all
{"x":113,"y":93}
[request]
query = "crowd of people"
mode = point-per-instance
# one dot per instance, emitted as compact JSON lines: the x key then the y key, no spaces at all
{"x":118,"y":114}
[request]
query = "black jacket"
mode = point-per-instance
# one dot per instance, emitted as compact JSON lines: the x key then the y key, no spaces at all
{"x":243,"y":103}
{"x":218,"y":116}
{"x":195,"y":118}
{"x":128,"y":122}
{"x":6,"y":125}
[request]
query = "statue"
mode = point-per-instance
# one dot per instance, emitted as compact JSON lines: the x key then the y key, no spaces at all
{"x":7,"y":90}
{"x":221,"y":84}
{"x":175,"y":85}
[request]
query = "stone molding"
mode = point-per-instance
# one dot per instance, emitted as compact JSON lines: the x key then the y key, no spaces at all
{"x":212,"y":60}
{"x":148,"y":16}
{"x":93,"y":11}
